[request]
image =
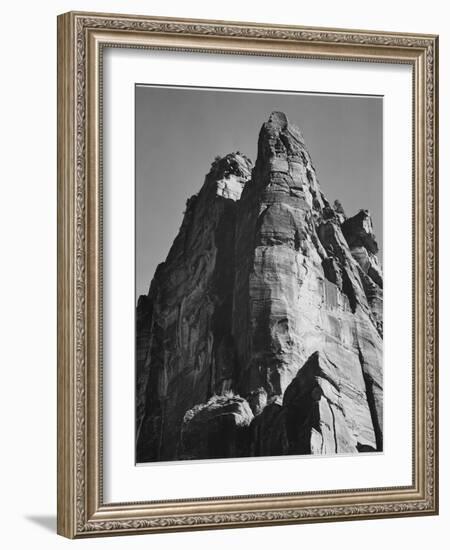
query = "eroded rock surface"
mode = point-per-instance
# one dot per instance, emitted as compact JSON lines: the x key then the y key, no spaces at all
{"x":216,"y":429}
{"x":261,"y":333}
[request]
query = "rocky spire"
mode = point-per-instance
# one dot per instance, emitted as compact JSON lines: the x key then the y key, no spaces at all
{"x":270,"y":300}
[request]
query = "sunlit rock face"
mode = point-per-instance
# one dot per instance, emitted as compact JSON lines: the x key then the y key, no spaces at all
{"x":261,"y":333}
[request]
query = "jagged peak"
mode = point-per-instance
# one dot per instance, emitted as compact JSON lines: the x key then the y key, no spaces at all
{"x":235,"y":163}
{"x":279,"y":124}
{"x":278,"y":119}
{"x":339,"y":209}
{"x":284,"y":164}
{"x":279,"y":138}
{"x":229,"y":174}
{"x":358,"y":231}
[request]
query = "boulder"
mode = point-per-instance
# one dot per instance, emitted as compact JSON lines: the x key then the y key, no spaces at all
{"x":216,"y":429}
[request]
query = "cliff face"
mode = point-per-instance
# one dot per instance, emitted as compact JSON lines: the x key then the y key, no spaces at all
{"x":262,"y":331}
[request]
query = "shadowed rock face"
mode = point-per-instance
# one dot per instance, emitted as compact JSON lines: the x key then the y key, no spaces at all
{"x":216,"y":429}
{"x":261,"y":333}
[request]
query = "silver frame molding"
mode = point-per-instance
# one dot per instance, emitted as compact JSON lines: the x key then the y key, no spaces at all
{"x":81,"y":39}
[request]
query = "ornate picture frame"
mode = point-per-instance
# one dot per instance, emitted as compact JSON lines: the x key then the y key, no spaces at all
{"x":82,"y":39}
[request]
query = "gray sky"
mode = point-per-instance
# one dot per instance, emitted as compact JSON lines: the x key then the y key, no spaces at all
{"x":179,"y":131}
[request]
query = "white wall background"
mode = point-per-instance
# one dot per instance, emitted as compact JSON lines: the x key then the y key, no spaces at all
{"x":28,"y":274}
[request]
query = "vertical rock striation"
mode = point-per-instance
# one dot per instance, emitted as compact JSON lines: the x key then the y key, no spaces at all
{"x":261,"y":333}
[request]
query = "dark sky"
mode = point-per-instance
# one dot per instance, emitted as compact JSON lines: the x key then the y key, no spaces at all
{"x":180,"y":131}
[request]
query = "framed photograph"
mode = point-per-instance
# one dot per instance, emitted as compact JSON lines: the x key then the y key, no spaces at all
{"x":247,"y":274}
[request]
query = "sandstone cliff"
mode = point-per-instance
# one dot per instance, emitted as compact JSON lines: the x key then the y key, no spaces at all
{"x":261,"y":333}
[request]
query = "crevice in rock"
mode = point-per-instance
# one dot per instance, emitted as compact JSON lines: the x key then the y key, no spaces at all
{"x":348,"y":290}
{"x":297,"y":240}
{"x":334,"y":427}
{"x":371,"y":402}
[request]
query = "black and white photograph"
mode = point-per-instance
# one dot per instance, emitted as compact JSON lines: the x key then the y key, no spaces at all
{"x":259,"y":286}
{"x":223,"y":247}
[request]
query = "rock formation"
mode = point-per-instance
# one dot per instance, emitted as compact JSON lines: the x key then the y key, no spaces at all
{"x":261,"y":334}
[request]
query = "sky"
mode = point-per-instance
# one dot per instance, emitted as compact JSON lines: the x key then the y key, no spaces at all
{"x":179,"y":131}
